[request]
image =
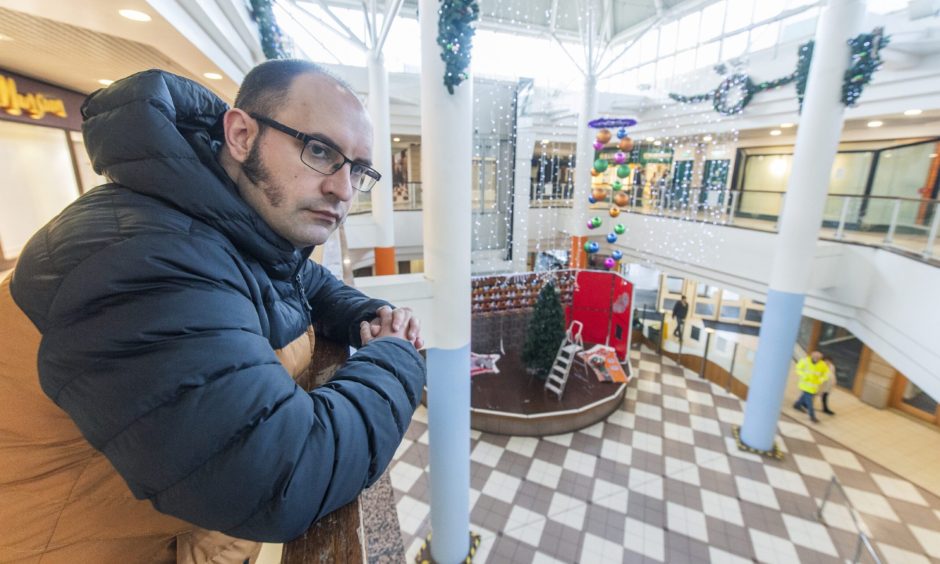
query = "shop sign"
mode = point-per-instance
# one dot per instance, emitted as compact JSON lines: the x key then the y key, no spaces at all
{"x":30,"y":101}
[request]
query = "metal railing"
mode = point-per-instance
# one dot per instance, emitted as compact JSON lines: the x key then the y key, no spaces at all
{"x":406,"y":197}
{"x":864,"y":542}
{"x":899,"y":223}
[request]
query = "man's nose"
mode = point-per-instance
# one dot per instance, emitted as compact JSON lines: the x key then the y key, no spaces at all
{"x":339,"y":183}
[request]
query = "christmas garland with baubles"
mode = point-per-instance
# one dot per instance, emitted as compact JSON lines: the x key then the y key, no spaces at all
{"x":455,"y":36}
{"x":273,"y":42}
{"x":735,"y":92}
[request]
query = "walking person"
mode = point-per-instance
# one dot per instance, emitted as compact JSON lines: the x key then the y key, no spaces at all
{"x":679,"y":313}
{"x":827,"y":385}
{"x":812,"y":372}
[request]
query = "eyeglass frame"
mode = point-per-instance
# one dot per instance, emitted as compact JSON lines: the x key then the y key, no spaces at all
{"x":306,"y":138}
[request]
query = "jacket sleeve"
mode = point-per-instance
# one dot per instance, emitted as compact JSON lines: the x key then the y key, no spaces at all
{"x":156,"y":350}
{"x":337,"y":309}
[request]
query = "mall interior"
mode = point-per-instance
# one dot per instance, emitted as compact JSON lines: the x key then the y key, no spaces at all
{"x":772,"y":162}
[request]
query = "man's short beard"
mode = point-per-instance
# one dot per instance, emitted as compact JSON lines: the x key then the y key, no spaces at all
{"x":259,"y":175}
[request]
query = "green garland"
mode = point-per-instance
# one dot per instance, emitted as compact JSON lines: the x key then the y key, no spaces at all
{"x":865,"y":61}
{"x":273,"y":42}
{"x":455,"y":35}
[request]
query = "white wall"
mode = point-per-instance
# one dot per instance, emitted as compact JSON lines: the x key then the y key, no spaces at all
{"x":36,"y":183}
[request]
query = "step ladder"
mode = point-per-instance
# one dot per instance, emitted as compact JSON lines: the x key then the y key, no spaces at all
{"x":571,"y":346}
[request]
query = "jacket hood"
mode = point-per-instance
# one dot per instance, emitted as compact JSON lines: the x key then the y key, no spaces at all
{"x":157,"y":134}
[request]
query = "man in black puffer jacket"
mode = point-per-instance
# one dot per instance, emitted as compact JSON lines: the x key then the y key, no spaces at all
{"x":163,"y":311}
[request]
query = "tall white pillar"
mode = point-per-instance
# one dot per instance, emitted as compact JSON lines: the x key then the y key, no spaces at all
{"x":795,"y":246}
{"x":584,"y":162}
{"x":525,"y":142}
{"x":446,"y":146}
{"x":382,"y":201}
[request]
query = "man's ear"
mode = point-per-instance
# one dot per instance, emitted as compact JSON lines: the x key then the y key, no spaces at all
{"x":240,"y":133}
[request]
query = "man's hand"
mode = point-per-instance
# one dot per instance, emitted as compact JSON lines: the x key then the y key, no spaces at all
{"x":399,"y":323}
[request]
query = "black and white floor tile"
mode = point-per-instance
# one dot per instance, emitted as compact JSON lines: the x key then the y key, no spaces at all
{"x":661,"y":480}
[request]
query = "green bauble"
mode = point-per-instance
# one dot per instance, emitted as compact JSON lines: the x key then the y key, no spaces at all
{"x":596,"y":221}
{"x":619,"y":229}
{"x":623,"y":171}
{"x":617,"y":185}
{"x":587,"y":247}
{"x":600,"y":165}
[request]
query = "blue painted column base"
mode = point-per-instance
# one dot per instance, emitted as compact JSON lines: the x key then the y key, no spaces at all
{"x":449,"y":445}
{"x":779,"y":328}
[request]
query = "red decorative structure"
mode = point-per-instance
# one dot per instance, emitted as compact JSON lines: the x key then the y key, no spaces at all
{"x":603,"y":303}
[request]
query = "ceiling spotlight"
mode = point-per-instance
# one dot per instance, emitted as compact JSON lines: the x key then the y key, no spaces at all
{"x":546,"y":141}
{"x":650,"y":139}
{"x":913,"y":112}
{"x":135,"y":15}
{"x":875,"y":123}
{"x":212,"y":75}
{"x":105,"y":82}
{"x":657,"y":143}
{"x":787,"y":125}
{"x":5,"y":37}
{"x":774,"y":132}
{"x":396,"y":139}
{"x":707,"y":138}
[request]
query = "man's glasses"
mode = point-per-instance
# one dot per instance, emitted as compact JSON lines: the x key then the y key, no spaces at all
{"x":324,"y":158}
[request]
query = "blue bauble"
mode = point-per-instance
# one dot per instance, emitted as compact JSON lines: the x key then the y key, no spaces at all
{"x":621,"y":133}
{"x":616,"y":255}
{"x":611,"y":237}
{"x":593,"y":247}
{"x":591,"y":200}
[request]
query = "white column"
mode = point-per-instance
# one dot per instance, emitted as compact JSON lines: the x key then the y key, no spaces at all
{"x":816,"y":144}
{"x":382,"y":205}
{"x":446,"y":143}
{"x":525,"y":142}
{"x":577,"y":227}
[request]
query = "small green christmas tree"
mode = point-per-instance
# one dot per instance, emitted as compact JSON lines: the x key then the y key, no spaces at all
{"x":545,"y":332}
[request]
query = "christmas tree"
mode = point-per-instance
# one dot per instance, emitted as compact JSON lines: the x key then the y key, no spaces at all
{"x":545,"y":332}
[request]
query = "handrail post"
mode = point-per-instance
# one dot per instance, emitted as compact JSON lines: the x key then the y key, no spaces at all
{"x":734,"y":357}
{"x":731,"y":204}
{"x":934,"y":227}
{"x":633,"y":199}
{"x":889,"y":236}
{"x":783,"y":199}
{"x":840,"y":231}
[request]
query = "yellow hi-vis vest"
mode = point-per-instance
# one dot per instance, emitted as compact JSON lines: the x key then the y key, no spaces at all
{"x":811,"y":374}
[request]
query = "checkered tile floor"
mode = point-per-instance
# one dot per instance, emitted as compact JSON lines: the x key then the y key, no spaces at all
{"x":661,"y":480}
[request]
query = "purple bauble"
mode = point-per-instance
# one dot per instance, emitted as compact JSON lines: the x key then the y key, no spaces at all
{"x":619,"y":157}
{"x":590,"y":224}
{"x":609,"y":263}
{"x":598,"y":145}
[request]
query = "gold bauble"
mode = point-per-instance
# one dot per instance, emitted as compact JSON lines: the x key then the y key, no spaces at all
{"x":599,"y":194}
{"x":614,"y":210}
{"x":626,"y":145}
{"x":594,"y":172}
{"x":621,"y":199}
{"x":603,"y":136}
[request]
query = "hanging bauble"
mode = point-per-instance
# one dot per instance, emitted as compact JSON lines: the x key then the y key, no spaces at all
{"x":617,"y":185}
{"x":619,"y":229}
{"x":623,"y":171}
{"x":614,"y":211}
{"x":592,"y":247}
{"x":590,"y":225}
{"x":598,"y":145}
{"x":596,"y":221}
{"x":591,"y":199}
{"x":620,"y":157}
{"x":603,"y":136}
{"x":625,"y":145}
{"x":611,"y":237}
{"x":616,"y":255}
{"x":621,"y":198}
{"x":621,"y":133}
{"x":599,"y":194}
{"x":600,"y":165}
{"x":609,"y":263}
{"x":594,"y":172}
{"x":587,"y":246}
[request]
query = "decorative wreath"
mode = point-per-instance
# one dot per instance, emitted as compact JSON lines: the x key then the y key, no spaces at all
{"x":733,"y":94}
{"x":455,"y":35}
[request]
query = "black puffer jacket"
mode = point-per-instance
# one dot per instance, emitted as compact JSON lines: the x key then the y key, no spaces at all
{"x":161,"y":298}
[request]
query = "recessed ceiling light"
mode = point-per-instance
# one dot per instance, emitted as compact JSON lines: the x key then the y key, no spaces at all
{"x":396,"y":139}
{"x":657,"y":143}
{"x":932,"y":156}
{"x":212,"y":75}
{"x":875,"y":123}
{"x":105,"y":82}
{"x":707,"y":138}
{"x":787,"y":125}
{"x":913,"y":112}
{"x":135,"y":15}
{"x":5,"y":37}
{"x":546,"y":141}
{"x":775,"y":132}
{"x":650,"y":139}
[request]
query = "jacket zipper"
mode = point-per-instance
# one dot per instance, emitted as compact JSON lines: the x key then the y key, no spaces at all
{"x":298,"y":284}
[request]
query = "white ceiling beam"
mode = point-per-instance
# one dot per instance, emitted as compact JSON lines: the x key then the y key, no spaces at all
{"x":349,"y":33}
{"x":391,"y":13}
